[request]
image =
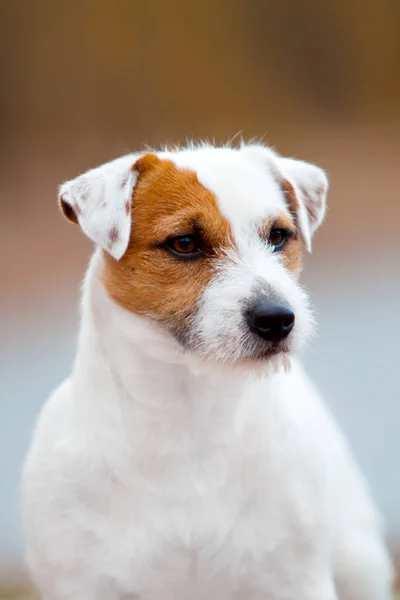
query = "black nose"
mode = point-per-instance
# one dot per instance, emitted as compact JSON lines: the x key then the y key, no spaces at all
{"x":271,"y":320}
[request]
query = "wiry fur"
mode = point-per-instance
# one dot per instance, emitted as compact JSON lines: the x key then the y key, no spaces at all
{"x":219,"y":330}
{"x":206,"y":467}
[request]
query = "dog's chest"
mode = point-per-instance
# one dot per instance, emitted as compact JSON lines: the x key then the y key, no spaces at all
{"x":196,"y":523}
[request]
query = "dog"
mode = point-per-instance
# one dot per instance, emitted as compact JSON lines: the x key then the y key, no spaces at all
{"x":188,"y":456}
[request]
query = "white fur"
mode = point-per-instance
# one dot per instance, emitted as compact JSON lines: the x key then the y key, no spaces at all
{"x":158,"y":473}
{"x":219,"y":327}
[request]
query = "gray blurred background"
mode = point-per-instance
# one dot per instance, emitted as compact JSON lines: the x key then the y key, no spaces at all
{"x":85,"y":81}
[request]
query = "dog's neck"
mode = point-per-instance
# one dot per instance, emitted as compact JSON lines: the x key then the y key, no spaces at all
{"x":124,"y":359}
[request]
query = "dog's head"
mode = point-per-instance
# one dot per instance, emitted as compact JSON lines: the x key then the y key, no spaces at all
{"x":206,"y":244}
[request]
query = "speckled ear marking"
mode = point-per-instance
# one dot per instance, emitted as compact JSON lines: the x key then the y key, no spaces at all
{"x":100,"y":202}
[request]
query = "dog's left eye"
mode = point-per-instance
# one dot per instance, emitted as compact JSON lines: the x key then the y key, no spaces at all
{"x":185,"y":246}
{"x":278,"y":238}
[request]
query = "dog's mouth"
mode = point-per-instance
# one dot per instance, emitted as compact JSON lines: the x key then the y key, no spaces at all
{"x":244,"y":351}
{"x":271,"y":360}
{"x":232,"y":347}
{"x":265,"y":354}
{"x":271,"y":351}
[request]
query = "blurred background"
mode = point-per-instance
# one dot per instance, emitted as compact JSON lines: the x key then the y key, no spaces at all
{"x":82,"y":82}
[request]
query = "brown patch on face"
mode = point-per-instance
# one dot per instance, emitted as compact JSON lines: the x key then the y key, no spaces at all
{"x":264,"y":228}
{"x":127,"y":207}
{"x":292,"y":254}
{"x":292,"y":251}
{"x":167,"y":202}
{"x":282,"y":222}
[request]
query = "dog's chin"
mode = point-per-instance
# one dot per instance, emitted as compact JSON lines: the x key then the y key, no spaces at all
{"x":254,"y":357}
{"x":271,"y":351}
{"x":271,"y":359}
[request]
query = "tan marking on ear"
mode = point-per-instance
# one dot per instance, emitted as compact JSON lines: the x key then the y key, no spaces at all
{"x":68,"y":212}
{"x":148,"y":280}
{"x":77,"y":209}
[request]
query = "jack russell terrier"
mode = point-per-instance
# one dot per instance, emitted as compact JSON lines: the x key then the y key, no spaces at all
{"x":188,"y":457}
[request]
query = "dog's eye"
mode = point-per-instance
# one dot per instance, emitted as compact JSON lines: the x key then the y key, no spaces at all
{"x":185,"y":246}
{"x":277,"y":239}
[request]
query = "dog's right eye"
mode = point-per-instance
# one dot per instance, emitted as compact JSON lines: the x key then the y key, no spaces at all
{"x":185,"y":247}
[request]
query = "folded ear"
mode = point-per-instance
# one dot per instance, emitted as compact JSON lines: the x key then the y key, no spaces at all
{"x":305,"y":187}
{"x":100,"y":201}
{"x":310,"y":185}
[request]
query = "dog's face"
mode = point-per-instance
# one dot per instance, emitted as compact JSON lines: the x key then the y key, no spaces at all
{"x":207,"y":243}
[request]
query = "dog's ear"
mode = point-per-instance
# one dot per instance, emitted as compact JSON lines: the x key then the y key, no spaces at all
{"x":100,"y":202}
{"x":305,"y":187}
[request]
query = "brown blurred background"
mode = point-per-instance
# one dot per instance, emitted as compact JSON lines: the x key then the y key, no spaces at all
{"x":83,"y":82}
